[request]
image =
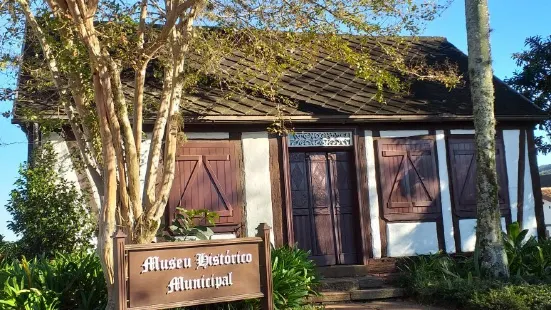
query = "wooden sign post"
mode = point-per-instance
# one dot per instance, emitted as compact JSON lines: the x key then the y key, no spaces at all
{"x":182,"y":274}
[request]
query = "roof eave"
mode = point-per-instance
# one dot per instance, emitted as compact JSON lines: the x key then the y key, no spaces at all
{"x":356,"y":118}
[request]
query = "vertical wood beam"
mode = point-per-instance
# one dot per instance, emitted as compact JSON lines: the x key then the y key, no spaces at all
{"x":439,"y":221}
{"x":455,"y":219}
{"x":521,"y":172}
{"x":278,"y":206}
{"x":287,"y":190}
{"x":382,"y":221}
{"x":363,"y":194}
{"x":536,"y":185}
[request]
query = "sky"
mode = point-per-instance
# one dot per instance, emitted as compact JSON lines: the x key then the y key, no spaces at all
{"x":512,"y":21}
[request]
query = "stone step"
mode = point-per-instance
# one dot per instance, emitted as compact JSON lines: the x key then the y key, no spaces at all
{"x":358,"y":295}
{"x":375,"y":267}
{"x":395,"y":304}
{"x":351,"y":283}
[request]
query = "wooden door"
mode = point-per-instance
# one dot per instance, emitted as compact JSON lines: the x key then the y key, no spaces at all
{"x":323,"y":206}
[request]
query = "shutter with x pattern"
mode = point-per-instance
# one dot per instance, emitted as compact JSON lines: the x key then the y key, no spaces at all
{"x":408,"y":177}
{"x":463,"y":176}
{"x":206,"y":177}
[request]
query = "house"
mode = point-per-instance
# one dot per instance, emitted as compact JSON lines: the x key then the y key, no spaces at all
{"x":546,"y":197}
{"x":359,"y":179}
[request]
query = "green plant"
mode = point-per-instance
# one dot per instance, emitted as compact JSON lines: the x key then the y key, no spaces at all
{"x":519,"y":297}
{"x":48,"y":211}
{"x":191,"y":223}
{"x":67,"y":281}
{"x":8,"y":250}
{"x":294,"y":277}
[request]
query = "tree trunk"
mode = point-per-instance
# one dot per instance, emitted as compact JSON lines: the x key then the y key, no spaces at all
{"x":491,"y":253}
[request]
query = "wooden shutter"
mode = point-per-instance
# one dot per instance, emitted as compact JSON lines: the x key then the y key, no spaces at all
{"x":207,"y":177}
{"x":461,"y":151}
{"x":408,"y":178}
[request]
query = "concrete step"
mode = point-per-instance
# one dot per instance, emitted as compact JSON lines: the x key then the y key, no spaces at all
{"x":358,"y":295}
{"x":395,"y":304}
{"x":351,"y":283}
{"x":375,"y":267}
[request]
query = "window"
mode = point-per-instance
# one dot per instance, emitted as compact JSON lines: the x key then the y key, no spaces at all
{"x":207,"y":177}
{"x":461,"y":151}
{"x":408,"y":178}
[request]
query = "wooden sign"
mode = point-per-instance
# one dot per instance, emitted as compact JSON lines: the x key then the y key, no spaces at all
{"x":181,"y":274}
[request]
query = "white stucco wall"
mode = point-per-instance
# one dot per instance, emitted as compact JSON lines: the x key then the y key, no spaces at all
{"x":373,"y":197}
{"x":406,"y":239}
{"x":67,"y":170}
{"x":529,"y":210}
{"x":258,"y":191}
{"x":511,"y":142}
{"x":462,"y":131}
{"x":445,"y":198}
{"x":467,"y":230}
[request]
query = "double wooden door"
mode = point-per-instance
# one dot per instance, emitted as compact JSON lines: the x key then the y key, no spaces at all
{"x":323,"y":205}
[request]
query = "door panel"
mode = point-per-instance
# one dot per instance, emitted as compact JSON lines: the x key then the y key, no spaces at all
{"x":324,"y":250}
{"x":344,"y":206}
{"x":300,"y":200}
{"x":322,"y":193}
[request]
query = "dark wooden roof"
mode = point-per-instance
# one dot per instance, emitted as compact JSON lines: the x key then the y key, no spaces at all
{"x":331,"y":91}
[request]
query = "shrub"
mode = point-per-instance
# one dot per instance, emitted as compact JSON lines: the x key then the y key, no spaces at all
{"x":523,"y":297}
{"x":48,"y":212}
{"x":73,"y":281}
{"x":294,"y":277}
{"x":441,"y":279}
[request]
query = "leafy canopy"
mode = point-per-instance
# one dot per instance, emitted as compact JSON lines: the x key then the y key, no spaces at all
{"x":533,"y":80}
{"x":273,"y":36}
{"x":49,"y":213}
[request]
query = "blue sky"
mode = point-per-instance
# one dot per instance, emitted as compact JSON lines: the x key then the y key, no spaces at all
{"x":512,"y":21}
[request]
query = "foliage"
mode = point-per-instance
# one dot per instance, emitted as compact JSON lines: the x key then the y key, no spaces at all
{"x":534,"y":78}
{"x":443,"y":279}
{"x":48,"y":212}
{"x":8,"y":250}
{"x":67,"y":281}
{"x":294,"y":277}
{"x":528,"y":258}
{"x":191,"y":223}
{"x":513,"y":297}
{"x":75,"y":281}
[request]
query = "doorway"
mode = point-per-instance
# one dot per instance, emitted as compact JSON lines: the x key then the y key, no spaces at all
{"x":324,"y":206}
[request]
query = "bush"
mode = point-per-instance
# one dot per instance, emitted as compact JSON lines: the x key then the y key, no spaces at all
{"x":294,"y":277}
{"x":72,"y":281}
{"x":441,"y":279}
{"x":48,"y":212}
{"x":75,"y":281}
{"x":522,"y":297}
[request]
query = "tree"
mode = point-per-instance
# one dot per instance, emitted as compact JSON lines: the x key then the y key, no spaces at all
{"x":490,"y":249}
{"x":48,"y":212}
{"x":88,"y":48}
{"x":534,"y":79}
